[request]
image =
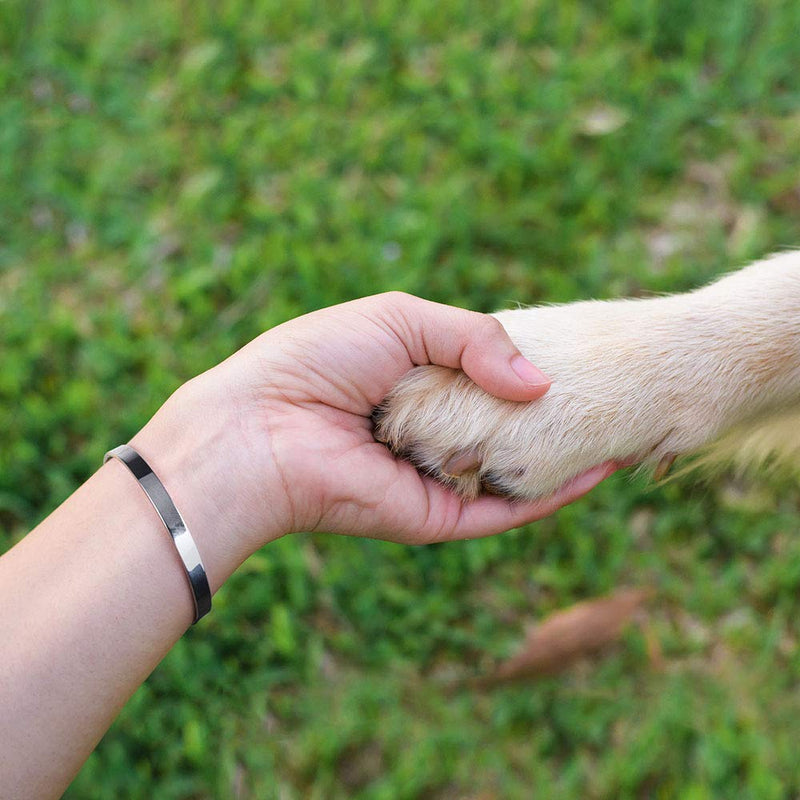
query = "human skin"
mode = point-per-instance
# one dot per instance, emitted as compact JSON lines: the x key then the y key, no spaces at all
{"x":274,"y":440}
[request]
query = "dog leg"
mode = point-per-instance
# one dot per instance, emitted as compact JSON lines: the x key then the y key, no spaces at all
{"x":633,"y":380}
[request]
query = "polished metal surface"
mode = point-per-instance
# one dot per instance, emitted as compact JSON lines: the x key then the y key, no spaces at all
{"x":170,"y":516}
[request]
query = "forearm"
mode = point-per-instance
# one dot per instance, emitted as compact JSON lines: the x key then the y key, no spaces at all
{"x":96,"y":595}
{"x":90,"y":602}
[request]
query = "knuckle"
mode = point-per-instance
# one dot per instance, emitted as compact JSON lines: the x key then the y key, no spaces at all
{"x":493,"y":327}
{"x":398,"y":297}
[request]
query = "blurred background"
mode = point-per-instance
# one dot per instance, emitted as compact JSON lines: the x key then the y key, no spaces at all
{"x":176,"y":177}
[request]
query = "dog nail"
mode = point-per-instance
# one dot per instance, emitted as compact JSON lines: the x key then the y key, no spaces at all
{"x":662,"y":468}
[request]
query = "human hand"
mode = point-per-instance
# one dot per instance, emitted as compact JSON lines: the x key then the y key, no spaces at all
{"x":283,"y":437}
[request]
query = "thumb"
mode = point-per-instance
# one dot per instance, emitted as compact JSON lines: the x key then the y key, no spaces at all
{"x":476,"y":343}
{"x":493,"y":361}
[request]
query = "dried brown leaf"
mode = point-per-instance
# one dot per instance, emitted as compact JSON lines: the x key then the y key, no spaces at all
{"x":566,"y":636}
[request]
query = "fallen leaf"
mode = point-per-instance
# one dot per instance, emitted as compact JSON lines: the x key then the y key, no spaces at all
{"x":566,"y":636}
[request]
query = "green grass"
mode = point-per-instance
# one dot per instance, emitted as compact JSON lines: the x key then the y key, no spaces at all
{"x":176,"y":177}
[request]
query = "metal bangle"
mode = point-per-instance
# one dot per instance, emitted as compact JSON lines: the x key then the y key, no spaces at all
{"x":170,"y":516}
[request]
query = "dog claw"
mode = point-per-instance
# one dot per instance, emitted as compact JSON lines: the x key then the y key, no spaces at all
{"x":462,"y":462}
{"x":662,"y":468}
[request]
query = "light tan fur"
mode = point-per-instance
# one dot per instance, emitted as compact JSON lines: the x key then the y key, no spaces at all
{"x":634,"y":380}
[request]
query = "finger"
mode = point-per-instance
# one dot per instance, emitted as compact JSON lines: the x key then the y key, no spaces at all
{"x":490,"y":515}
{"x":476,"y":343}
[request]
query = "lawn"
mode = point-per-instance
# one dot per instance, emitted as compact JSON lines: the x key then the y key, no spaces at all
{"x":177,"y":177}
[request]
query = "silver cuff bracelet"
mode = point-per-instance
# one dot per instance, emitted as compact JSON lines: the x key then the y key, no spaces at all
{"x":170,"y":516}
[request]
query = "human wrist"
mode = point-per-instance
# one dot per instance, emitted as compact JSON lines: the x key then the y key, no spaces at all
{"x":182,"y":538}
{"x":227,"y":497}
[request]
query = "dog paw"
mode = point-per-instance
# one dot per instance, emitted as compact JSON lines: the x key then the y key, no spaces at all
{"x":625,"y":388}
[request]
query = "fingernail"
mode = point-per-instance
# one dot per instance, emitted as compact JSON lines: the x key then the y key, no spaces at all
{"x":527,"y":372}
